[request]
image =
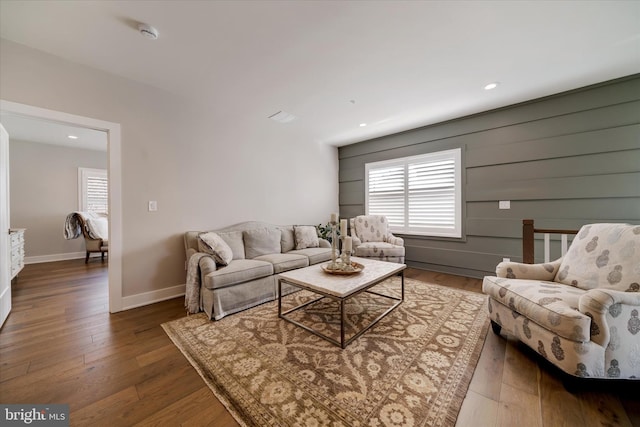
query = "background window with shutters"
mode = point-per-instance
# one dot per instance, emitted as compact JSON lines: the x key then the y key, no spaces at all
{"x":93,"y":190}
{"x":419,"y":195}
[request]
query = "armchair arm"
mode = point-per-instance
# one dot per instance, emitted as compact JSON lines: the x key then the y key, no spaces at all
{"x":608,"y":309}
{"x":518,"y":270}
{"x":355,"y":241}
{"x":398,"y":241}
{"x":323,"y":243}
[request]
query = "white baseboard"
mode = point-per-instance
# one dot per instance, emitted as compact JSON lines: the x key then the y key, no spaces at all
{"x":146,"y":298}
{"x":56,"y":257}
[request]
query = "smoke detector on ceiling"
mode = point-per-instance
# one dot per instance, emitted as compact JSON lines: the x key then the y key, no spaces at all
{"x":282,"y":117}
{"x":148,"y":31}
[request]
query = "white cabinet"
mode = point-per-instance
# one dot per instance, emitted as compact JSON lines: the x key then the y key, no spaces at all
{"x":16,"y":243}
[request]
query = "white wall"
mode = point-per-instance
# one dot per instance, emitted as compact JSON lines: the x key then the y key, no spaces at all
{"x":204,"y":168}
{"x":44,"y":189}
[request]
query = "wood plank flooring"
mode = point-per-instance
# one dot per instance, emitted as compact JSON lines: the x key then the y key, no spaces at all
{"x":60,"y":345}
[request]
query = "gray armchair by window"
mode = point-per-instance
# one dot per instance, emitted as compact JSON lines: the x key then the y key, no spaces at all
{"x":372,"y":239}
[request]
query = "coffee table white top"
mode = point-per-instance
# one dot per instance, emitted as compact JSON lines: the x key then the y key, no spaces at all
{"x":339,"y":285}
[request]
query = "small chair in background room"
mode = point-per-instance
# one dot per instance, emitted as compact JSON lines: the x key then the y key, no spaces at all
{"x":93,"y":245}
{"x":94,"y":227}
{"x":372,"y":239}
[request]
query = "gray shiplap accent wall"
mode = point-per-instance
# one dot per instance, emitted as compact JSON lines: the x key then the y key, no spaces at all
{"x":564,"y":160}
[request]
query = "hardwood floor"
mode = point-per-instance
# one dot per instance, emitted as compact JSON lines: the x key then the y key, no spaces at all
{"x":60,"y":345}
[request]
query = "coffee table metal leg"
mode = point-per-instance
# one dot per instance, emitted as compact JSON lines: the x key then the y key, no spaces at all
{"x":279,"y":297}
{"x":342,"y":343}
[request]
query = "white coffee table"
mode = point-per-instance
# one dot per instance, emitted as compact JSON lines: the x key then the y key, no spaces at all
{"x":340,"y":288}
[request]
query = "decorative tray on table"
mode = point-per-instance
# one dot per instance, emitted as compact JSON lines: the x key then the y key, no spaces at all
{"x":356,"y":268}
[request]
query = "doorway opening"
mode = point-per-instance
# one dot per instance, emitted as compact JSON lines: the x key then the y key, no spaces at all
{"x":112,"y":131}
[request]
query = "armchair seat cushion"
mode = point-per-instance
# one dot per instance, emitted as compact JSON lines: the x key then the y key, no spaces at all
{"x":553,"y":306}
{"x":238,"y":271}
{"x":285,"y":262}
{"x":379,"y":250}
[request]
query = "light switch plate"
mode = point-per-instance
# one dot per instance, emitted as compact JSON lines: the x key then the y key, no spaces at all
{"x":504,"y":204}
{"x":153,"y":206}
{"x":506,"y":259}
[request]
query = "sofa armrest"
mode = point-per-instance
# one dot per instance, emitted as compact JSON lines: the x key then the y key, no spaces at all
{"x":608,"y":309}
{"x":518,"y":270}
{"x":398,"y":241}
{"x":207,"y":265}
{"x":323,"y":243}
{"x":355,"y":241}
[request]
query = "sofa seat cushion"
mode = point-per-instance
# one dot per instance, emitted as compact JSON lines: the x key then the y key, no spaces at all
{"x":238,"y":271}
{"x":315,"y":255}
{"x":285,"y":262}
{"x":379,"y":250}
{"x":551,"y":305}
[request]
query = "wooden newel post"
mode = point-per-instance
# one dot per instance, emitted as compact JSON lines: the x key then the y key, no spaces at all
{"x":527,"y":241}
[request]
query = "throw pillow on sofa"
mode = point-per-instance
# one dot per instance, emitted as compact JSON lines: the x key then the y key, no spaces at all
{"x":261,"y":241}
{"x":306,"y":236}
{"x":213,"y":244}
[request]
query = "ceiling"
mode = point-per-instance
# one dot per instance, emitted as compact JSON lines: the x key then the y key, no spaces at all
{"x":394,"y":65}
{"x":23,"y":128}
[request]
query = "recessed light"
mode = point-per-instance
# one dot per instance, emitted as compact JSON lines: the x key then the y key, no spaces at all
{"x":72,"y":137}
{"x":362,"y":125}
{"x":491,"y":86}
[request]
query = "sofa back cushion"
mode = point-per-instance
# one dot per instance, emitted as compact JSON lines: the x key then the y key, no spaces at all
{"x":371,"y":228}
{"x":287,"y":239}
{"x":235,"y":242}
{"x":261,"y":241}
{"x":603,"y":256}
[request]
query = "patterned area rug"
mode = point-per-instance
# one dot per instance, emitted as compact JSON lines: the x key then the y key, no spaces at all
{"x":411,"y":369}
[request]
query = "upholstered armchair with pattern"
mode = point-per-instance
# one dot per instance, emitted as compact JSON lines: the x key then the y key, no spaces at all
{"x":580,"y":312}
{"x":372,"y":239}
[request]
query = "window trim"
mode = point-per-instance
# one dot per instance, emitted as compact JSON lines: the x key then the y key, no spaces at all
{"x":453,"y":153}
{"x":83,"y":176}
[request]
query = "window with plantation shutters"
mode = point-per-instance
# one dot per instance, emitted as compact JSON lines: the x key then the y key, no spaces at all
{"x":419,"y":195}
{"x":93,"y":191}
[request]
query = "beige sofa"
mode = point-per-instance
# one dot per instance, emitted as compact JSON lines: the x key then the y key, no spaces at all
{"x":260,"y":252}
{"x":580,"y":312}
